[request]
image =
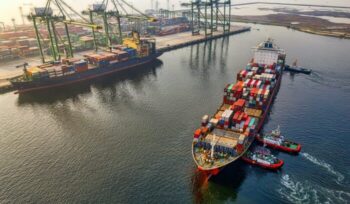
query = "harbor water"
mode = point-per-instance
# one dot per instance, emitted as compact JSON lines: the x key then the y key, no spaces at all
{"x":127,"y":138}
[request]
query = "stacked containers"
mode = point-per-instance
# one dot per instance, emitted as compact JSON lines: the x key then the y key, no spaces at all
{"x":205,"y":120}
{"x":238,"y":121}
{"x":238,"y":105}
{"x":69,"y":61}
{"x":220,"y":120}
{"x":132,"y":52}
{"x":242,"y":75}
{"x":109,"y":56}
{"x":121,"y":55}
{"x":68,"y":69}
{"x":233,"y":92}
{"x":35,"y":73}
{"x":196,"y":135}
{"x":240,"y":145}
{"x":227,"y":116}
{"x":93,"y":58}
{"x":80,"y":66}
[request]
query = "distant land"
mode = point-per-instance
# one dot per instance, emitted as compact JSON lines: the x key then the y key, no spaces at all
{"x":306,"y":21}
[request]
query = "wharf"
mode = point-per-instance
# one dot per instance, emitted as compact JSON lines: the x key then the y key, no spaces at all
{"x":164,"y":44}
{"x":179,"y":40}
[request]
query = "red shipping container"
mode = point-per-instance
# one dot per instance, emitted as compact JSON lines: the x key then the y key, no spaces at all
{"x":197,"y":133}
{"x":236,"y":115}
{"x":240,"y":117}
{"x":81,"y":68}
{"x":249,"y":82}
{"x":246,"y":123}
{"x":245,"y":116}
{"x":239,"y":148}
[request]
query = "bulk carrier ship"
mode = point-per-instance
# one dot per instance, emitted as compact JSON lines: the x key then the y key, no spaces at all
{"x":227,"y":135}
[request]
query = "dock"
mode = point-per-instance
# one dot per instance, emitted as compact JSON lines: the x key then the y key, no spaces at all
{"x":164,"y":44}
{"x":179,"y":40}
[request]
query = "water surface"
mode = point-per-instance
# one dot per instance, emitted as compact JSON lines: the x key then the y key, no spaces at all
{"x":127,"y":138}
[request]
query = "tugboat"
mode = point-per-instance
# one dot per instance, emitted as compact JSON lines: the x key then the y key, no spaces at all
{"x":295,"y":68}
{"x":275,"y":140}
{"x":262,"y":157}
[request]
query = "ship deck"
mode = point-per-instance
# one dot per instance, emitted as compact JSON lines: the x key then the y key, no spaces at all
{"x":219,"y":137}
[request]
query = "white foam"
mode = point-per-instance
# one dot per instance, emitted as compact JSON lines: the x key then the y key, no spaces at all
{"x":328,"y":167}
{"x":305,"y":192}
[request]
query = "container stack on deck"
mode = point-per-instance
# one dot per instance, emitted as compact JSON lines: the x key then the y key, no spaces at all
{"x":243,"y":105}
{"x":73,"y":65}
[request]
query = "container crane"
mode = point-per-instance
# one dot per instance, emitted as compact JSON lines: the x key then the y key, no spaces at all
{"x":118,"y":11}
{"x":215,"y":15}
{"x":46,"y":16}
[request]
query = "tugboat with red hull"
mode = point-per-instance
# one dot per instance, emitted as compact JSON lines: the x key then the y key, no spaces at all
{"x":227,"y":135}
{"x":262,"y":157}
{"x":275,"y":140}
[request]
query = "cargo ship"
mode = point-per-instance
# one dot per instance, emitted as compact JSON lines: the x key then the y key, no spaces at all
{"x":227,"y":135}
{"x":133,"y":52}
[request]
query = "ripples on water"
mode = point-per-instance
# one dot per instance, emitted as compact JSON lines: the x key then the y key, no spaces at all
{"x":305,"y":192}
{"x":127,"y":138}
{"x":326,"y":166}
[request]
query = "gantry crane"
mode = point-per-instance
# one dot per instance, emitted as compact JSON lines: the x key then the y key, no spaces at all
{"x":201,"y":20}
{"x":46,"y":16}
{"x":118,"y":10}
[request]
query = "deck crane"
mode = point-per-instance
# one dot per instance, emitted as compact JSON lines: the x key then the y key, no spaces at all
{"x":45,"y":15}
{"x":117,"y":9}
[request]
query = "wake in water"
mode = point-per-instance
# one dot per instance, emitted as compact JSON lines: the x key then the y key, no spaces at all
{"x":305,"y":192}
{"x":328,"y":167}
{"x":330,"y":80}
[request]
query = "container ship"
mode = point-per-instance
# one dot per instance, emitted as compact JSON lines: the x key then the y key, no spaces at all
{"x":227,"y":135}
{"x":133,"y":52}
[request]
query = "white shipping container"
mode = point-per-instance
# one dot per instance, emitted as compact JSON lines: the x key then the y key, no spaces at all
{"x":214,"y":121}
{"x":259,"y":84}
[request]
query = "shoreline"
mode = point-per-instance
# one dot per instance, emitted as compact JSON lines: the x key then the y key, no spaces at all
{"x":312,"y":25}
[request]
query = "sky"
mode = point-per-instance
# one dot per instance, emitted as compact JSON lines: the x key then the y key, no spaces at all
{"x":10,"y":8}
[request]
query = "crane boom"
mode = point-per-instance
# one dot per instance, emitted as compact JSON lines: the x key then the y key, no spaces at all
{"x":146,"y":17}
{"x":90,"y":25}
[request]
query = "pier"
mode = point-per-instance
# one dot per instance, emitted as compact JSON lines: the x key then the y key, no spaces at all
{"x":164,"y":44}
{"x":171,"y":42}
